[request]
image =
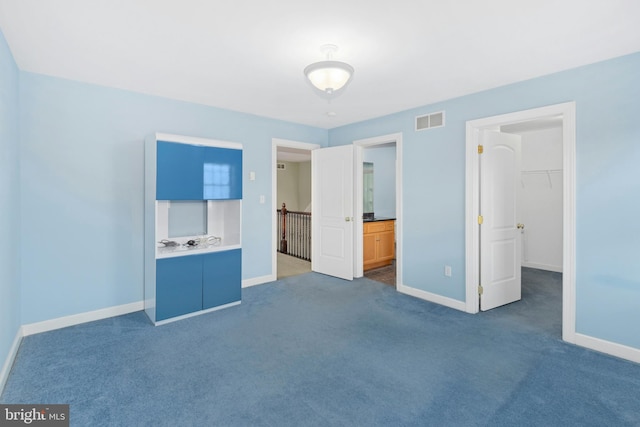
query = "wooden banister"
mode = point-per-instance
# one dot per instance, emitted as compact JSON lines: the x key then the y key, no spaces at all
{"x":295,"y":233}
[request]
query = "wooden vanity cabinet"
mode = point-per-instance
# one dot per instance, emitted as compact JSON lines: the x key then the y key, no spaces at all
{"x":378,"y":244}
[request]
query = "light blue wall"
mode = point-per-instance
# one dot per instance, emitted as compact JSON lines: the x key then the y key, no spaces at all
{"x":10,"y":241}
{"x":384,"y":179}
{"x":81,"y":148}
{"x":607,"y":97}
{"x":78,"y":156}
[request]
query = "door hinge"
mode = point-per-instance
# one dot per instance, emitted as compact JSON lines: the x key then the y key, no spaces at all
{"x":480,"y":289}
{"x":480,"y":219}
{"x":480,"y":149}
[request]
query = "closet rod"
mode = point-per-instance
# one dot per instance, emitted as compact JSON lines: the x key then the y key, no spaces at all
{"x":547,"y":172}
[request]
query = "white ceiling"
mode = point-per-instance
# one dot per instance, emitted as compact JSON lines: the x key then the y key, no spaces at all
{"x":248,"y":55}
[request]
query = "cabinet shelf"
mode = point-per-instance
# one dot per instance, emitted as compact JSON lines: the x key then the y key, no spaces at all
{"x":222,"y":221}
{"x":188,"y":250}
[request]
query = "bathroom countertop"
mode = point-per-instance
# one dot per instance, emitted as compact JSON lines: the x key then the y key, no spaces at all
{"x":378,"y":218}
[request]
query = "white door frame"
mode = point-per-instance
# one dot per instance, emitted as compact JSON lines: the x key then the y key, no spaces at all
{"x":472,"y":250}
{"x":358,"y":235}
{"x":275,"y":143}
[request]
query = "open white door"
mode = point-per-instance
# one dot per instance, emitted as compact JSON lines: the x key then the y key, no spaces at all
{"x":500,"y":247}
{"x":332,"y":211}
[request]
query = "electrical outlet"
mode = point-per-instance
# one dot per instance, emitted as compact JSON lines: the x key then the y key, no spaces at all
{"x":447,"y":270}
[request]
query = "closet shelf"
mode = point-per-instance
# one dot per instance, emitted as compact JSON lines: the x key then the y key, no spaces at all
{"x":540,"y":171}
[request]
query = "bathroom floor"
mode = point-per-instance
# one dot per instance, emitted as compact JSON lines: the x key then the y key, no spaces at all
{"x":386,"y":275}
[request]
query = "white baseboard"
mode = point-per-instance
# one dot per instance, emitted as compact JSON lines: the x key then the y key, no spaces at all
{"x":76,"y":319}
{"x":546,"y":267}
{"x":608,"y":347}
{"x":428,"y":296}
{"x":258,"y":280}
{"x":8,"y":363}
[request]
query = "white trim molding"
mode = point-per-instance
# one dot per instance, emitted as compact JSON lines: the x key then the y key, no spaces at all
{"x":247,"y":283}
{"x":608,"y":347}
{"x":472,"y":245}
{"x":435,"y":298}
{"x":76,"y":319}
{"x":11,"y":357}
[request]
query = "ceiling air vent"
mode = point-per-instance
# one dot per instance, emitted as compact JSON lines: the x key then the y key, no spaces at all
{"x":428,"y":121}
{"x":281,"y":166}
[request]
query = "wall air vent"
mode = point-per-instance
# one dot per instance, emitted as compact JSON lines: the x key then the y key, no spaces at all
{"x":281,"y":166}
{"x":428,"y":121}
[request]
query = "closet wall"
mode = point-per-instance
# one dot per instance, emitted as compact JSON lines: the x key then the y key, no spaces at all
{"x":540,"y":203}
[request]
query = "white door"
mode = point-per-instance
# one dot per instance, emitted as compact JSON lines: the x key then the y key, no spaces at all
{"x":332,"y":211}
{"x":500,"y":247}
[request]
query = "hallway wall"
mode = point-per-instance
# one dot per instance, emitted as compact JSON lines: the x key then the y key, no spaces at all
{"x":294,"y":185}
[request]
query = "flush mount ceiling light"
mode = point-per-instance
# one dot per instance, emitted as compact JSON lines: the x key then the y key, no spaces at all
{"x":329,"y":76}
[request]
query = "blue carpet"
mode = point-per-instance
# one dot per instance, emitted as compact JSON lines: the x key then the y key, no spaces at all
{"x":317,"y":351}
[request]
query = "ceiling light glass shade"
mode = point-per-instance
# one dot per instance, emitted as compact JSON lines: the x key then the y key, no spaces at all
{"x":329,"y":76}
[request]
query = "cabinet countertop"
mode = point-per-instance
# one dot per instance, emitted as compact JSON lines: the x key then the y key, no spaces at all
{"x":378,"y":218}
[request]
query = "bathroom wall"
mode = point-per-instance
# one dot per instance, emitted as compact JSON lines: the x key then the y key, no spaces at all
{"x":384,"y":179}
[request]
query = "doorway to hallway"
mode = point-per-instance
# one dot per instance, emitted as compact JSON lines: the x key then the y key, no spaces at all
{"x":289,"y":265}
{"x":291,"y":184}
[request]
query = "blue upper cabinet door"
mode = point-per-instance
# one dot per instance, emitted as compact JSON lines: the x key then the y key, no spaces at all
{"x":178,"y":286}
{"x":222,"y":174}
{"x":179,"y":171}
{"x":221,"y":278}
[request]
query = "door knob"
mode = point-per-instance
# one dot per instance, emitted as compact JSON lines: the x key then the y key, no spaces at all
{"x":520,"y":226}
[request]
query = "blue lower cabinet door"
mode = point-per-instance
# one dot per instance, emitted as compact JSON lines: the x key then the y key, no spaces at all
{"x":178,"y":286}
{"x":221,"y":278}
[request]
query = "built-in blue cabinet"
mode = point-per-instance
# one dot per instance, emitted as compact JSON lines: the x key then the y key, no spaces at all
{"x":220,"y":278}
{"x":178,"y":286}
{"x":179,"y":171}
{"x":222,"y":174}
{"x":192,"y":186}
{"x":189,"y":284}
{"x":195,"y":172}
